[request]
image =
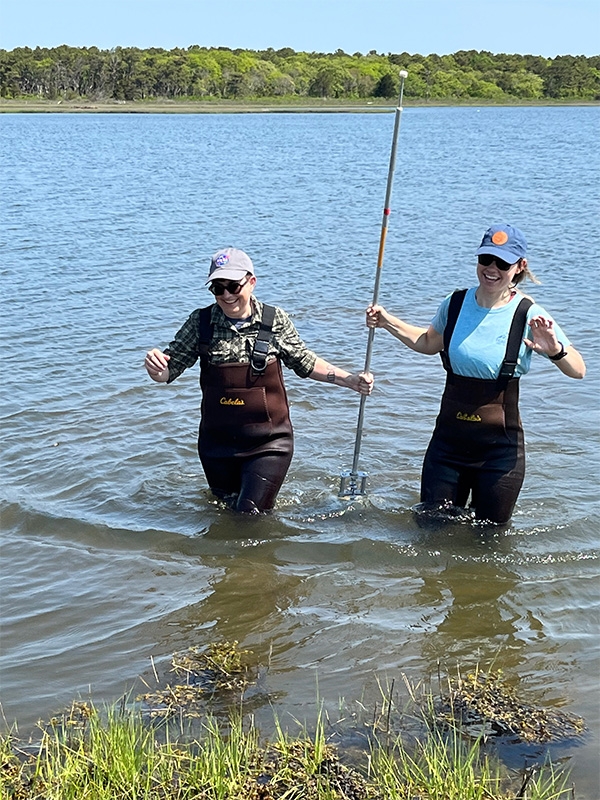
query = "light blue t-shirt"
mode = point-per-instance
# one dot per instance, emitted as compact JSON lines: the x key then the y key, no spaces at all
{"x":478,"y":344}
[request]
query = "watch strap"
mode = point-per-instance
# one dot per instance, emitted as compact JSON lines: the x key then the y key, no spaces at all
{"x":559,"y":355}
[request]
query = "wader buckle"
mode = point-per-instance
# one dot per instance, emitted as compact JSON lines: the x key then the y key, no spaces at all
{"x":507,"y":370}
{"x":258,"y":359}
{"x":260,"y":351}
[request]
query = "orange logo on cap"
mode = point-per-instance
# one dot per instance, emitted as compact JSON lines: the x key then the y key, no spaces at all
{"x":500,"y":237}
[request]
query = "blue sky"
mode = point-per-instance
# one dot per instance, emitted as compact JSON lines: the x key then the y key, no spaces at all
{"x":539,"y":27}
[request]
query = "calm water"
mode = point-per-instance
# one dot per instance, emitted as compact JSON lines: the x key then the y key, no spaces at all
{"x":112,"y":549}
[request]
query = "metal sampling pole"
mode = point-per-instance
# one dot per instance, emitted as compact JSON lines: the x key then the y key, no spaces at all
{"x":353,"y":482}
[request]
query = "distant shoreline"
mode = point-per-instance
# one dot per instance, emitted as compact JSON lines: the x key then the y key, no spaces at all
{"x":304,"y":106}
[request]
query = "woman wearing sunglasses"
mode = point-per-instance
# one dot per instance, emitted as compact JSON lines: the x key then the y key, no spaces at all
{"x":486,"y":336}
{"x":245,"y":441}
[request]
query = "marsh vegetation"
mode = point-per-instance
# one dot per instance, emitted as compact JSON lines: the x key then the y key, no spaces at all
{"x":192,"y":737}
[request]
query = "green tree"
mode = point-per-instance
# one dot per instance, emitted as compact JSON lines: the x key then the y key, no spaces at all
{"x":387,"y":86}
{"x":522,"y":83}
{"x":281,"y":84}
{"x":571,"y":77}
{"x":446,"y":85}
{"x":328,"y":82}
{"x":132,"y":73}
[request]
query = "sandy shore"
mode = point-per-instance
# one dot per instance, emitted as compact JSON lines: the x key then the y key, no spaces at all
{"x":184,"y":107}
{"x":302,"y":105}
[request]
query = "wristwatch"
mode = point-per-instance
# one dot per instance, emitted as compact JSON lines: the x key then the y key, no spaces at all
{"x":559,"y":355}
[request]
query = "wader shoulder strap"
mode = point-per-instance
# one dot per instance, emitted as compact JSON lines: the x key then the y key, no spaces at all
{"x":204,"y":331}
{"x":515,"y":336}
{"x":454,"y":308}
{"x":258,"y":357}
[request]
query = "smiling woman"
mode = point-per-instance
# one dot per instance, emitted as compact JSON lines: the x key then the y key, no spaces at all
{"x":477,"y":448}
{"x":245,"y":441}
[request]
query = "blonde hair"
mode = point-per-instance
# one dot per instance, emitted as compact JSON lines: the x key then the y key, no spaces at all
{"x":525,"y":274}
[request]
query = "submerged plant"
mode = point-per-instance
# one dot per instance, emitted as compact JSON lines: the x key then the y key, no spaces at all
{"x":221,"y":667}
{"x":484,"y":703}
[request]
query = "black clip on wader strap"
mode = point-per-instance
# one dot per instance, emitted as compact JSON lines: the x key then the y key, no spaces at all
{"x":454,"y":308}
{"x":515,"y":337}
{"x":258,"y":357}
{"x":260,"y":351}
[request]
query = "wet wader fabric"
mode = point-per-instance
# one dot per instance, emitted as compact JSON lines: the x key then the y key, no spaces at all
{"x":477,"y":446}
{"x":245,"y":441}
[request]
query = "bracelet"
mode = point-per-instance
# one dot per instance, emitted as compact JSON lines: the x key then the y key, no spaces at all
{"x":331,"y":376}
{"x":560,"y":355}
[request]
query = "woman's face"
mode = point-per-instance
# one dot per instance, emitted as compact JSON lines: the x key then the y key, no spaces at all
{"x":237,"y":305}
{"x":492,"y":278}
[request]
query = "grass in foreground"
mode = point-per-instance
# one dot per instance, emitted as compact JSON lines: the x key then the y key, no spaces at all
{"x":172,"y":745}
{"x":118,"y":756}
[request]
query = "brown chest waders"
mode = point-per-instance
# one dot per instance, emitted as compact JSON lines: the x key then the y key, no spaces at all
{"x":477,"y":446}
{"x":245,"y":440}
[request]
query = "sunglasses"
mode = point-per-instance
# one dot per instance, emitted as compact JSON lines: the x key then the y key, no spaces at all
{"x":233,"y":287}
{"x":486,"y":260}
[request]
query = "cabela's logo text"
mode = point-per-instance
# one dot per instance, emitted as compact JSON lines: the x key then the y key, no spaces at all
{"x":231,"y":401}
{"x":468,"y":417}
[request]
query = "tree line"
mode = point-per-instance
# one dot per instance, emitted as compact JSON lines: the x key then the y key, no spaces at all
{"x":196,"y":73}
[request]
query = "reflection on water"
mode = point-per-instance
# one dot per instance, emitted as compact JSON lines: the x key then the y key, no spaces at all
{"x":113,"y":550}
{"x":246,"y":600}
{"x":473,"y":624}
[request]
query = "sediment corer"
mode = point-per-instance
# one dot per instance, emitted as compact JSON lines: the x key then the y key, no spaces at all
{"x":353,"y":482}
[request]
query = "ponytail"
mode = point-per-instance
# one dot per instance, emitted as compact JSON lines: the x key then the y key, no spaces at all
{"x":525,"y":274}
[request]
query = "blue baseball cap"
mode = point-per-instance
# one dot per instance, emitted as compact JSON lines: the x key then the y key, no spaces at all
{"x":505,"y":242}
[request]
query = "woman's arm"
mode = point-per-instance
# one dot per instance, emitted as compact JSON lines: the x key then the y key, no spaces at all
{"x":325,"y":372}
{"x":422,"y":340}
{"x":182,"y":352}
{"x":572,"y":365}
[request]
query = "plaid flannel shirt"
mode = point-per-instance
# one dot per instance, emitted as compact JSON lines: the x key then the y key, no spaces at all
{"x":231,"y":344}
